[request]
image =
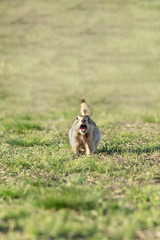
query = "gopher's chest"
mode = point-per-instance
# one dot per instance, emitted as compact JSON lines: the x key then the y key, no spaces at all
{"x":82,"y":139}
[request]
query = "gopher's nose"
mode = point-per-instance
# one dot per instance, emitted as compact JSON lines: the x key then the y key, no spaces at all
{"x":83,"y":120}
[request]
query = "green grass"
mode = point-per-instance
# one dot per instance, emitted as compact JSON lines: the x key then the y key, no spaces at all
{"x":52,"y":54}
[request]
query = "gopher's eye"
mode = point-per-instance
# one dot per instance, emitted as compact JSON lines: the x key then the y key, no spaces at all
{"x":89,"y":120}
{"x":77,"y":118}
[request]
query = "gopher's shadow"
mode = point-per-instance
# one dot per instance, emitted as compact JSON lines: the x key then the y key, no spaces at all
{"x":122,"y":149}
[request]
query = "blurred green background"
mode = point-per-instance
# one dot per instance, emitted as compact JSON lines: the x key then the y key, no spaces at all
{"x":53,"y":53}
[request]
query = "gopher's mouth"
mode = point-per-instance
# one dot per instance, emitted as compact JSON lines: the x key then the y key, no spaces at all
{"x":83,"y":128}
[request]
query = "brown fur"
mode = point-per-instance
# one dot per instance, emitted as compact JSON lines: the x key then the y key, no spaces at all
{"x":84,"y":135}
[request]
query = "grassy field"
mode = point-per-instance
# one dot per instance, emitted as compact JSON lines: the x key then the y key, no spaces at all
{"x":53,"y":53}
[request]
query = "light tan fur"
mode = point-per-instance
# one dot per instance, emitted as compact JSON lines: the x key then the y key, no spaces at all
{"x":84,"y":108}
{"x":84,"y":135}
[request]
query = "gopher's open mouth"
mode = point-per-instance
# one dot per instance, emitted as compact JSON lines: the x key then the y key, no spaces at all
{"x":83,"y":128}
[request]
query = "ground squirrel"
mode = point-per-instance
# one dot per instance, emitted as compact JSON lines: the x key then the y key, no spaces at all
{"x":84,"y":135}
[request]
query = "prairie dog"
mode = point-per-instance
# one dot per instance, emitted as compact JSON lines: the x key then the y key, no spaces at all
{"x":84,"y":135}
